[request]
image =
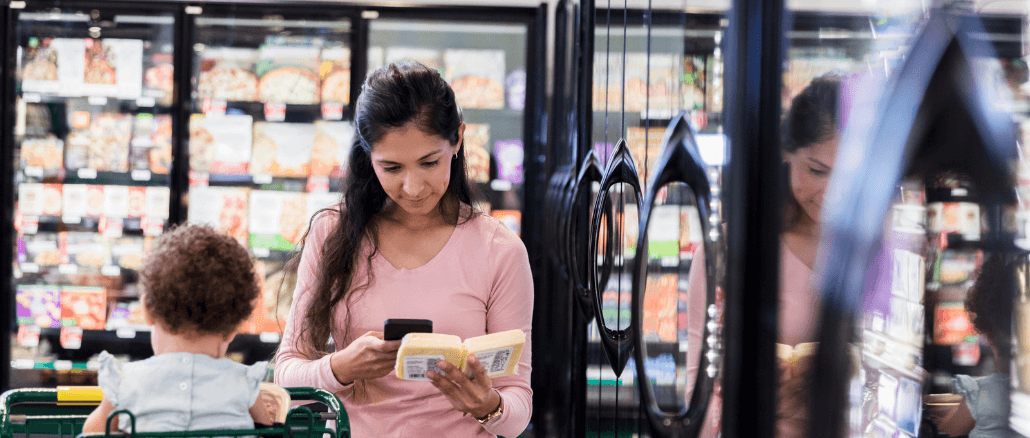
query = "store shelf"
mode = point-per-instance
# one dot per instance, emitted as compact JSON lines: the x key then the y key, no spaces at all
{"x":294,"y":113}
{"x":143,"y":104}
{"x":137,"y":178}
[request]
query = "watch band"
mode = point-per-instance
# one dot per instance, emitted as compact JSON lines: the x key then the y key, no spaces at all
{"x":496,"y":413}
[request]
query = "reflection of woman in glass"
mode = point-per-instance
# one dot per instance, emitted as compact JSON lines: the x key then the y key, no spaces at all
{"x":811,"y":132}
{"x":984,"y":411}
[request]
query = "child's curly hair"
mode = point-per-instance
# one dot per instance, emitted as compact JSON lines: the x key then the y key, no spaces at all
{"x":989,"y":302}
{"x":197,"y":280}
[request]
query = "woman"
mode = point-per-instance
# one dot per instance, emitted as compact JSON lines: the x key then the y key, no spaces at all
{"x":811,"y":133}
{"x":406,"y":243}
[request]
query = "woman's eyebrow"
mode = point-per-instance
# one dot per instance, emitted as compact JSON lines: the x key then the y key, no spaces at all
{"x":388,"y":162}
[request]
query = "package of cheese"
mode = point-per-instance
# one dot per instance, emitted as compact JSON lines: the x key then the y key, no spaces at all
{"x":498,"y":352}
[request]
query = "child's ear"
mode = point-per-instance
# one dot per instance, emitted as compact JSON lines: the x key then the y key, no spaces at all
{"x":146,"y":311}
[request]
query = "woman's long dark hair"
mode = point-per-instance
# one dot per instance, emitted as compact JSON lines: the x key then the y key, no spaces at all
{"x":391,"y":97}
{"x":813,"y":118}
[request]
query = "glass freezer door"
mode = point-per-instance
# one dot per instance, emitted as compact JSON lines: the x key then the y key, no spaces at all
{"x":93,"y":98}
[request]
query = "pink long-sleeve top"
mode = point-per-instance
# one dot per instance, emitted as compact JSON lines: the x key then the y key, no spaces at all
{"x":798,"y":309}
{"x":479,"y":283}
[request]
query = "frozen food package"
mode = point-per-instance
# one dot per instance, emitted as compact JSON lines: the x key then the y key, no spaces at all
{"x":282,"y":149}
{"x":692,"y":86}
{"x":428,"y":57}
{"x":607,"y":82}
{"x":127,"y":252}
{"x":645,"y":144}
{"x":42,"y":249}
{"x":659,"y":87}
{"x":335,"y":74}
{"x":220,"y":144}
{"x":30,"y":199}
{"x":224,"y":208}
{"x":477,"y":77}
{"x":38,"y":305}
{"x":318,"y":201}
{"x":289,"y":74}
{"x":510,"y":156}
{"x":84,"y":307}
{"x":110,"y":136}
{"x":276,"y":297}
{"x":477,"y":156}
{"x":116,"y":201}
{"x":515,"y":83}
{"x":227,"y":74}
{"x":95,"y":200}
{"x":127,"y":315}
{"x":114,"y":68}
{"x":76,"y":154}
{"x":137,"y":201}
{"x":52,"y":198}
{"x":87,"y":250}
{"x":44,"y":153}
{"x":53,"y":65}
{"x":331,"y":147}
{"x":75,"y":201}
{"x":375,"y":58}
{"x":142,"y":142}
{"x":157,"y":203}
{"x":159,"y":79}
{"x":161,"y":139}
{"x":280,"y":221}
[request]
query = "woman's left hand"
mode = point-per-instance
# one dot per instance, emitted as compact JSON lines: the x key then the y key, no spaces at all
{"x":472,"y":395}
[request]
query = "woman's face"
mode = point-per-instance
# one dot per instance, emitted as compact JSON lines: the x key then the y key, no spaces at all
{"x":810,"y":169}
{"x":413,"y":167}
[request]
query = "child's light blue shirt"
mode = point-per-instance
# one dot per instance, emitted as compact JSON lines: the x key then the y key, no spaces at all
{"x":182,"y":391}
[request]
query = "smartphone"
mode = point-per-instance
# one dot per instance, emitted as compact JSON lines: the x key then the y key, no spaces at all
{"x":395,"y":329}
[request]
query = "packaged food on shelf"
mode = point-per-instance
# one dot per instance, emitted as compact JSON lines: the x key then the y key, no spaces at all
{"x":318,"y":201}
{"x":335,"y":74}
{"x":221,"y":144}
{"x":607,"y":82}
{"x":276,"y":297}
{"x":127,"y":252}
{"x":44,"y":153}
{"x":224,"y":208}
{"x":477,"y":77}
{"x":227,"y":74}
{"x":38,"y":305}
{"x":161,"y":149}
{"x":95,"y":199}
{"x":137,"y":202}
{"x":142,"y":142}
{"x":110,"y":137}
{"x":282,"y":149}
{"x":75,"y":202}
{"x":86,"y":250}
{"x":41,"y":249}
{"x":76,"y":154}
{"x":510,"y":156}
{"x":116,"y":201}
{"x":428,"y":57}
{"x":159,"y":80}
{"x":645,"y":144}
{"x":113,"y":68}
{"x":330,"y":148}
{"x":515,"y":83}
{"x":692,"y":87}
{"x":127,"y":315}
{"x":84,"y":307}
{"x":477,"y":156}
{"x":30,"y":199}
{"x":289,"y":74}
{"x":375,"y":58}
{"x":54,"y":66}
{"x":654,"y":94}
{"x":277,"y":225}
{"x":157,"y":203}
{"x":52,"y":198}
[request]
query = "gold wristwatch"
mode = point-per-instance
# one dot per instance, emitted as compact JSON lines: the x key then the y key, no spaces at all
{"x":496,"y":413}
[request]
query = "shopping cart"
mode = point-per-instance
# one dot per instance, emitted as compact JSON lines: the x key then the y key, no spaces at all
{"x":61,"y":412}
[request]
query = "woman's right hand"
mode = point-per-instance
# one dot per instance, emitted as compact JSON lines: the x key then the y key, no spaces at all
{"x":368,"y":357}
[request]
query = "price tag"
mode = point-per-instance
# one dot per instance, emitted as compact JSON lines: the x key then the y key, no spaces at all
{"x":125,"y":333}
{"x":87,"y":173}
{"x":212,"y":107}
{"x":30,"y":268}
{"x":97,"y":100}
{"x":199,"y":179}
{"x":28,"y":335}
{"x":32,"y":97}
{"x":62,"y":365}
{"x":71,"y":337}
{"x":23,"y":364}
{"x":68,"y":269}
{"x":111,"y":271}
{"x":262,"y":179}
{"x":71,"y":219}
{"x":670,"y":262}
{"x":153,"y":227}
{"x":146,"y":102}
{"x":275,"y":112}
{"x":499,"y":185}
{"x":332,"y":111}
{"x":142,"y":142}
{"x":269,"y":337}
{"x":111,"y":227}
{"x":36,"y":172}
{"x":141,"y":175}
{"x":318,"y":184}
{"x":28,"y":224}
{"x":261,"y":252}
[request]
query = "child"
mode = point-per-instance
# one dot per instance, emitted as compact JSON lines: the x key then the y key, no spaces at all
{"x":199,"y":287}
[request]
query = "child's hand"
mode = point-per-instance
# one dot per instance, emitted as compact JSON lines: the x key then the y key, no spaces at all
{"x":473,"y":393}
{"x":368,"y":357}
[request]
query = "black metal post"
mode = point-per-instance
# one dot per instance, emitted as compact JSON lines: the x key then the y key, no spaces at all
{"x":181,"y":110}
{"x":7,"y":186}
{"x":754,"y":216}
